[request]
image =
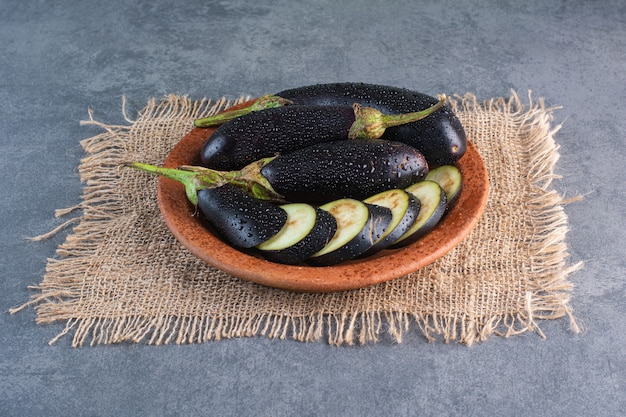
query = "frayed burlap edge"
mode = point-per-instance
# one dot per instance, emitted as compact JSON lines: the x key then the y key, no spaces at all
{"x":101,"y":205}
{"x":550,"y":298}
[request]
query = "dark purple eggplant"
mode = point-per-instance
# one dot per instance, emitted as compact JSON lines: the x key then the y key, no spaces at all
{"x":440,"y":137}
{"x":240,"y":219}
{"x":317,"y":174}
{"x":344,"y":169}
{"x":258,"y":135}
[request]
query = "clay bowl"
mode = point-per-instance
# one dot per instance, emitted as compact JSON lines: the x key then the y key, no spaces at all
{"x":192,"y":233}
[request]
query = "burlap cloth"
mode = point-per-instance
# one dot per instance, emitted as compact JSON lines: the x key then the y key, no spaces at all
{"x":120,"y":276}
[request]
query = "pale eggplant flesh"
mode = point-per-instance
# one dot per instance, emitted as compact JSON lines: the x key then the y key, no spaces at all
{"x":307,"y":230}
{"x":450,"y":179}
{"x":432,"y":200}
{"x":405,"y":210}
{"x":359,"y":227}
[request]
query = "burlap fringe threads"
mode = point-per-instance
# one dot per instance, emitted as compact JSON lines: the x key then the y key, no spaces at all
{"x":550,"y":299}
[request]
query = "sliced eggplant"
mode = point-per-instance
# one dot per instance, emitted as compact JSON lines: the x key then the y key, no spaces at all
{"x":240,"y":219}
{"x":449,"y":178}
{"x":307,"y":230}
{"x":263,"y":134}
{"x":359,"y":227}
{"x":432,"y":200}
{"x":404,"y":211}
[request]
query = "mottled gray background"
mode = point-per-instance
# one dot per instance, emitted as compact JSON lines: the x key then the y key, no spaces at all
{"x":59,"y":58}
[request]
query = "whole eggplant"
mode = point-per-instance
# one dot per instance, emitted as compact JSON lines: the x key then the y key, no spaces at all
{"x":258,"y":135}
{"x":261,"y":134}
{"x":344,"y":169}
{"x":440,"y":137}
{"x":317,"y":174}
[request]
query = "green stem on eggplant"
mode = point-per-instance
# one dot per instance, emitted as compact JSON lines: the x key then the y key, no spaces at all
{"x":267,"y":101}
{"x":195,"y":178}
{"x":371,"y":124}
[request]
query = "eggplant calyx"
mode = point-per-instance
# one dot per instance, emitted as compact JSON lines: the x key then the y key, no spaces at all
{"x":251,"y":180}
{"x":267,"y":101}
{"x":370,"y":123}
{"x":195,"y":178}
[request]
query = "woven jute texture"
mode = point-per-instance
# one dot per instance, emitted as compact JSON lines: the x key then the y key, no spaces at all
{"x":120,"y":275}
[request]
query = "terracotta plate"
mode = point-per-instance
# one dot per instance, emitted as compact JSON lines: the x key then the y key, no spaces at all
{"x":386,"y":265}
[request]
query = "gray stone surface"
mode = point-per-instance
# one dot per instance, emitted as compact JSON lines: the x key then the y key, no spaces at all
{"x":57,"y":59}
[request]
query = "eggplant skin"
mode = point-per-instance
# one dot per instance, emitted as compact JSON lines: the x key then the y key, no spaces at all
{"x":240,"y":219}
{"x":345,"y":169}
{"x":440,"y":136}
{"x":265,"y":133}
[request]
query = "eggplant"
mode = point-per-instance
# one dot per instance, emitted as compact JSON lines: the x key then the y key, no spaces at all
{"x":432,"y":200}
{"x":240,"y":219}
{"x":317,"y":174}
{"x":307,"y":230}
{"x":359,"y":227}
{"x":449,"y":178}
{"x":344,"y":169}
{"x":440,"y":137}
{"x":257,"y":135}
{"x":404,"y":209}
